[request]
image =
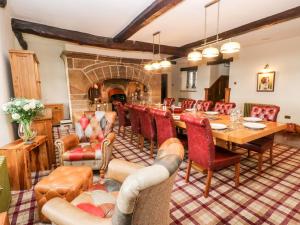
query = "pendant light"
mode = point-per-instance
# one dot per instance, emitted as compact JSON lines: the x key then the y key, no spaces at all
{"x":230,"y":47}
{"x":148,"y":67}
{"x":165,"y":63}
{"x":194,"y":56}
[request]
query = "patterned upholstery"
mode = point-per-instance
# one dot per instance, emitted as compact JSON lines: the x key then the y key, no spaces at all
{"x":203,"y":105}
{"x":261,"y":145}
{"x":268,"y":113}
{"x":123,"y":116}
{"x":92,"y":143}
{"x":137,"y":201}
{"x":169,"y":101}
{"x":201,"y":148}
{"x":224,"y":108}
{"x":134,"y":119}
{"x":164,"y":124}
{"x":188,"y":103}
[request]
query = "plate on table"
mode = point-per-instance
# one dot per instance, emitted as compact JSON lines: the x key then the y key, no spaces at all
{"x":212,"y":113}
{"x":218,"y":126}
{"x":176,"y":117}
{"x":255,"y":126}
{"x":189,"y":110}
{"x":252,"y":119}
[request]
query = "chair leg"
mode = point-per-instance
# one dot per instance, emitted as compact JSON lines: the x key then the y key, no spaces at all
{"x":208,"y":182}
{"x":142,"y":140}
{"x":237,"y":174}
{"x":188,"y":171}
{"x":260,"y":161}
{"x":271,"y":155}
{"x":119,"y":130}
{"x":124,"y":132}
{"x":131,"y":138}
{"x":151,"y":148}
{"x":249,"y":153}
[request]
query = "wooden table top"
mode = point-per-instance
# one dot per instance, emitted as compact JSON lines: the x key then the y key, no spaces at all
{"x":20,"y":144}
{"x":239,"y":135}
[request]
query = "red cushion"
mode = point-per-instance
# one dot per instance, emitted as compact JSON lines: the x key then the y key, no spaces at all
{"x":91,"y":209}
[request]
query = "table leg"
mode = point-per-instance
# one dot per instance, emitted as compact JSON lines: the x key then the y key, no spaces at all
{"x":43,"y":157}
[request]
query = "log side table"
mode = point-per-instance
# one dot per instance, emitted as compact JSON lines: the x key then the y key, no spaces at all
{"x":23,"y":158}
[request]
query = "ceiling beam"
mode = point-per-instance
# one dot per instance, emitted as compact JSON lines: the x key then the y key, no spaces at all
{"x":87,"y":39}
{"x":3,"y":3}
{"x":256,"y":25}
{"x":157,"y":8}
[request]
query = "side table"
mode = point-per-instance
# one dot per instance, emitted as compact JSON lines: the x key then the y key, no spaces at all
{"x":23,"y":158}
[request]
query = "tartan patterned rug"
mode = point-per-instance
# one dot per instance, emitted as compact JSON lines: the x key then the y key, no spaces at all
{"x":270,"y":198}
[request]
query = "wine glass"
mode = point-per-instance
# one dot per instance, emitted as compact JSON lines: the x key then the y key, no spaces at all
{"x":173,"y":108}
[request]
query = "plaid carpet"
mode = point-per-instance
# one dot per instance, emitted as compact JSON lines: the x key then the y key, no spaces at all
{"x":270,"y":198}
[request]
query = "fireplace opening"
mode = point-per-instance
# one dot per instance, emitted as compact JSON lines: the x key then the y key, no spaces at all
{"x":116,"y":95}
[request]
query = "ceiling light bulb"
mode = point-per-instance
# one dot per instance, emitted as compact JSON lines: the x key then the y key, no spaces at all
{"x":156,"y":65}
{"x":148,"y":67}
{"x":165,"y":63}
{"x":210,"y":52}
{"x":194,"y":56}
{"x":230,"y":47}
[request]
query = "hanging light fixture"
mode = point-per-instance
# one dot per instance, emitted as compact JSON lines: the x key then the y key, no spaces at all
{"x":148,"y":67}
{"x":230,"y":47}
{"x":194,"y":56}
{"x":165,"y":63}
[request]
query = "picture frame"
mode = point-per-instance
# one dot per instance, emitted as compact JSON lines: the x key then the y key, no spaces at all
{"x":265,"y":81}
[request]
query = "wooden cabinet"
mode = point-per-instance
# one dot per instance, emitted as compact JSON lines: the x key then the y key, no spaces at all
{"x":25,"y":74}
{"x":57,"y":112}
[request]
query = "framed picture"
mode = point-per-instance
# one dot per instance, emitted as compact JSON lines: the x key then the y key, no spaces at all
{"x":266,"y":82}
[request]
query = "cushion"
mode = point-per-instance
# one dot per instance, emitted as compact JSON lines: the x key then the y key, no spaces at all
{"x":102,"y":211}
{"x":109,"y":185}
{"x":84,"y":152}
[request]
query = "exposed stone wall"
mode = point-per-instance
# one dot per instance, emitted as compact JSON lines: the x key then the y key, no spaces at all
{"x":86,"y":69}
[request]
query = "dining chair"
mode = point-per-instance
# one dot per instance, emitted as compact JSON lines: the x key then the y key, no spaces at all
{"x":224,"y":108}
{"x":123,"y":117}
{"x":261,"y":145}
{"x":202,"y":151}
{"x":164,"y":122}
{"x":169,"y":101}
{"x":135,"y":123}
{"x":203,"y":105}
{"x":148,"y":130}
{"x":185,"y":104}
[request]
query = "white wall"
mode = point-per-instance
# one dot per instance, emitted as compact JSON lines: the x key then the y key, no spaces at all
{"x":6,"y":42}
{"x":52,"y":69}
{"x":283,"y":57}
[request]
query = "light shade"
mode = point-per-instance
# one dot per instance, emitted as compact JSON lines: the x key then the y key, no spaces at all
{"x":194,"y":56}
{"x":210,"y":52}
{"x":155,"y":65}
{"x":165,"y":63}
{"x":230,"y":47}
{"x":148,"y":67}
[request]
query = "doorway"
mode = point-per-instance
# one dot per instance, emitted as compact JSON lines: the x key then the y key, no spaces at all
{"x":164,"y":86}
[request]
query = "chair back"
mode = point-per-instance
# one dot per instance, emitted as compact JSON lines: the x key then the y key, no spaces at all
{"x":188,"y":103}
{"x":147,"y":123}
{"x":268,"y":113}
{"x":169,"y":101}
{"x":203,"y":105}
{"x":93,"y":126}
{"x":224,"y":108}
{"x":201,"y":148}
{"x":134,"y":119}
{"x":164,"y":122}
{"x":121,"y":114}
{"x":140,"y":193}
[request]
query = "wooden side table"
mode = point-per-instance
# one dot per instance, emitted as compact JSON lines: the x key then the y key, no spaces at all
{"x":23,"y":158}
{"x":4,"y":218}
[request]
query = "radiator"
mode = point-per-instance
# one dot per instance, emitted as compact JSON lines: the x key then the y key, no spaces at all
{"x":248,"y":107}
{"x":5,"y":195}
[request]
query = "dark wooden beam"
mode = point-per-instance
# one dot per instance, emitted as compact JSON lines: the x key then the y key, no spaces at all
{"x":87,"y":39}
{"x":153,"y":11}
{"x":3,"y":3}
{"x":21,"y":40}
{"x":256,"y":25}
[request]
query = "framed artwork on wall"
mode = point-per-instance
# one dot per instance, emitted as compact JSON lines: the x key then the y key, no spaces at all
{"x":265,"y":81}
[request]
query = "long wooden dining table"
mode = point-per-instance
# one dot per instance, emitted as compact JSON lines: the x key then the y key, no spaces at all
{"x":238,"y":134}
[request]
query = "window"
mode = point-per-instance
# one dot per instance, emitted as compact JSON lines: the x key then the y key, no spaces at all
{"x":189,"y":78}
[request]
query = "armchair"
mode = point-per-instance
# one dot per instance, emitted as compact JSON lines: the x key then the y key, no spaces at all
{"x":92,"y":143}
{"x":136,"y":203}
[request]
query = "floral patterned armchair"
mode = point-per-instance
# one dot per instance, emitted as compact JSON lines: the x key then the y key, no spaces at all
{"x":92,"y":143}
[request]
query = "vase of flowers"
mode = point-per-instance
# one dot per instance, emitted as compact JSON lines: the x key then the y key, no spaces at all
{"x":23,"y":111}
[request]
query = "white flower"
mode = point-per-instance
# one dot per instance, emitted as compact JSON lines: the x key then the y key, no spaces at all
{"x":5,"y":107}
{"x":17,"y":103}
{"x":15,"y":116}
{"x":32,"y":104}
{"x":26,"y":107}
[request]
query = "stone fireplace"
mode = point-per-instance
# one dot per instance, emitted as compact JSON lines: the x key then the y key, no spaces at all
{"x":117,"y":78}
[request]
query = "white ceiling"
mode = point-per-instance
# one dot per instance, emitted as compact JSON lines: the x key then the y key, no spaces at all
{"x":181,"y":25}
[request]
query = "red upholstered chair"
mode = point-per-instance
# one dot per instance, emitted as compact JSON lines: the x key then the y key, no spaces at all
{"x":224,"y":108}
{"x":148,"y":129}
{"x":185,"y":104}
{"x":135,"y":122}
{"x":164,"y":125}
{"x":203,"y":105}
{"x":201,"y":150}
{"x":169,"y":101}
{"x":123,"y":116}
{"x":268,"y":113}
